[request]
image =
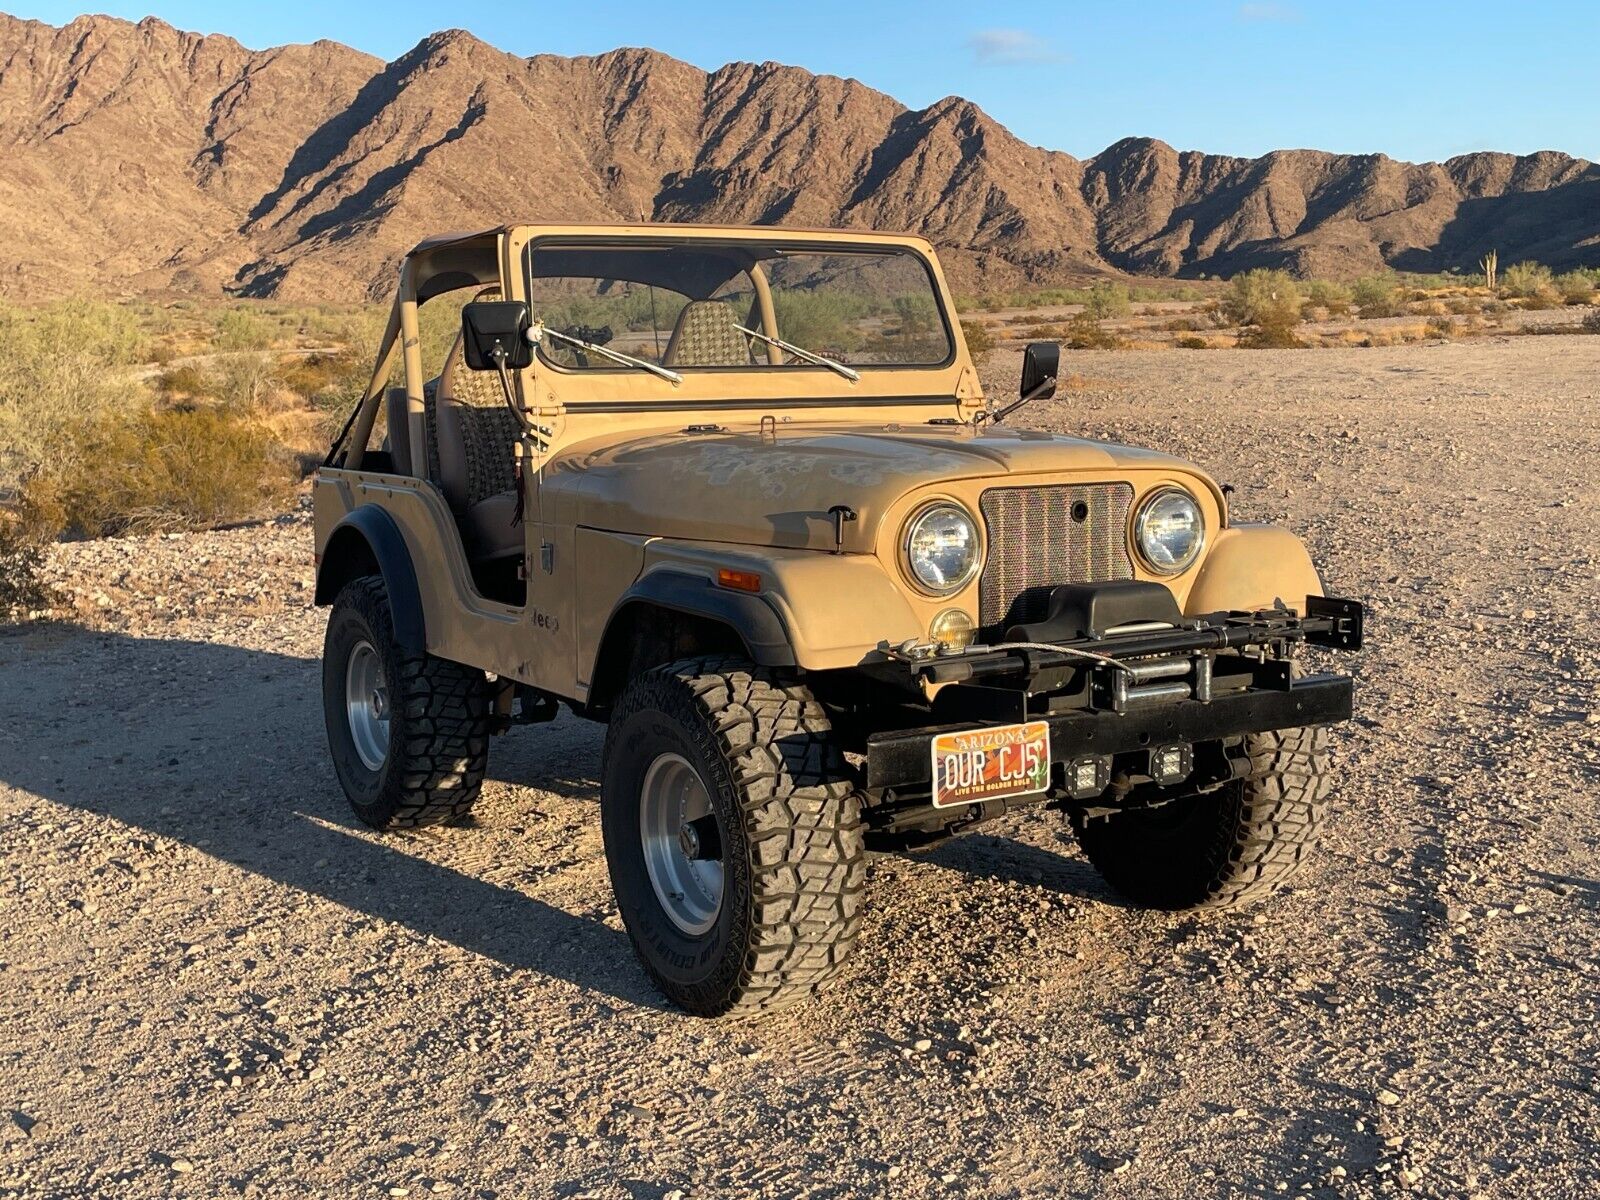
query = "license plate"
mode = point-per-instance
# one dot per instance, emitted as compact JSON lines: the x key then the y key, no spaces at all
{"x":989,"y":764}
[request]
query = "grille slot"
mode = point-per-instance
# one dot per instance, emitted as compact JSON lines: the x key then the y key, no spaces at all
{"x":1035,"y":543}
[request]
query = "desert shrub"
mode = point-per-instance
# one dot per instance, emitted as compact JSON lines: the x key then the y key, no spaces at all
{"x":1576,"y":287}
{"x":1462,"y":306}
{"x":1270,"y":337}
{"x":241,"y":329}
{"x":1329,"y":295}
{"x":246,"y":382}
{"x":1107,"y":299}
{"x":1083,"y":332}
{"x":1263,"y":297}
{"x":1182,"y":325}
{"x":1441,"y":327}
{"x":184,"y":381}
{"x":977,"y":336}
{"x":1530,"y":284}
{"x":1046,"y":333}
{"x":1192,"y":342}
{"x":1268,"y":304}
{"x":1591,"y":321}
{"x":24,"y":539}
{"x":60,"y":364}
{"x":1376,"y":296}
{"x":163,"y":468}
{"x":1524,"y":279}
{"x":336,"y":379}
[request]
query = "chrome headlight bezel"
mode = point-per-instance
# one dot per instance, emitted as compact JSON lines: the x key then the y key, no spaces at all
{"x":1141,"y":523}
{"x":908,"y":534}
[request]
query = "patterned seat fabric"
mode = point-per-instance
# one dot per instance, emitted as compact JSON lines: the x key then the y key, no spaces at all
{"x":472,"y":438}
{"x":705,"y":336}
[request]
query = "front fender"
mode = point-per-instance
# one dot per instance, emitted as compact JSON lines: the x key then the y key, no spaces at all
{"x":1251,"y":567}
{"x":833,"y":608}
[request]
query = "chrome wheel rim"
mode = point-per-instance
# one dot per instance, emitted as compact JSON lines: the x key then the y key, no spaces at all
{"x":682,"y":843}
{"x":366,"y":705}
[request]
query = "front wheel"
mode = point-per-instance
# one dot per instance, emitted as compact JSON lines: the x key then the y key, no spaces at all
{"x":733,"y":836}
{"x":409,"y":732}
{"x":1224,"y":848}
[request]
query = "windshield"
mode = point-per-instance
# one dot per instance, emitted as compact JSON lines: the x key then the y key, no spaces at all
{"x":735,"y":305}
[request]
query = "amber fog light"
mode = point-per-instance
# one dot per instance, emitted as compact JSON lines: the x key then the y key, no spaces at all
{"x":952,"y":630}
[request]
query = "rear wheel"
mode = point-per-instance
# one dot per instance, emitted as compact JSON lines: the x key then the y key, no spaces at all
{"x":1224,"y":848}
{"x":409,"y":732}
{"x":733,"y":836}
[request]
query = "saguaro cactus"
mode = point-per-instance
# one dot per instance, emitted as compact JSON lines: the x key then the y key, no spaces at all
{"x":1490,"y":263}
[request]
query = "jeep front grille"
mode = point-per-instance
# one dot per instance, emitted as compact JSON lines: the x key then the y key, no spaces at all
{"x":1039,"y":537}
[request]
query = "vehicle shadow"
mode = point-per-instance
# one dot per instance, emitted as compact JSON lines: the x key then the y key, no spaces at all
{"x":1006,"y":860}
{"x":223,"y":749}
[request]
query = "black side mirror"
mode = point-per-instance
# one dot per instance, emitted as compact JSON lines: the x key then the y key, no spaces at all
{"x":494,"y":333}
{"x":1040,"y":363}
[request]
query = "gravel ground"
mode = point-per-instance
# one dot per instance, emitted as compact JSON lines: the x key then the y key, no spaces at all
{"x":212,"y":982}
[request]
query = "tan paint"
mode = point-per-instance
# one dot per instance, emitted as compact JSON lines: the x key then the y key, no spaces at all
{"x":620,"y":494}
{"x":1250,"y":567}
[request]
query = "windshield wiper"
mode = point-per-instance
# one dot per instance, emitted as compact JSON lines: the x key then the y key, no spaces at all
{"x":817,"y":360}
{"x":540,"y":331}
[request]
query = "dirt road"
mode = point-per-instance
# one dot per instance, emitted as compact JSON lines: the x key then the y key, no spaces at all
{"x":213,"y":983}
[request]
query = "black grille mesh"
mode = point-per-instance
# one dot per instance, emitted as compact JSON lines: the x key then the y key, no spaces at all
{"x":1037,"y":540}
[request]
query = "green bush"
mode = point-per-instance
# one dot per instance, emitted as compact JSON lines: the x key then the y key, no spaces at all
{"x":167,"y":468}
{"x":1377,"y":296}
{"x":1264,"y":298}
{"x":977,"y":336}
{"x":1531,"y":284}
{"x":1576,"y":287}
{"x":240,"y":329}
{"x":1083,"y":332}
{"x":186,"y":381}
{"x":1329,"y":295}
{"x":60,"y":364}
{"x":1108,"y":299}
{"x":1268,"y":304}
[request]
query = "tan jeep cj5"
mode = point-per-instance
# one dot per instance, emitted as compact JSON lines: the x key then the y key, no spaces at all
{"x":738,"y":494}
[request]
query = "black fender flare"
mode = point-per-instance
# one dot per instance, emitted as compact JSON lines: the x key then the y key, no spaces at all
{"x":750,"y":616}
{"x":365,"y":542}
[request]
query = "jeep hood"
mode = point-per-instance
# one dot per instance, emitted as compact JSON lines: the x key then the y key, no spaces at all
{"x":738,"y":486}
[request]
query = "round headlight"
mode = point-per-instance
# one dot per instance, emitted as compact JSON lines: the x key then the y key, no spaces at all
{"x":942,"y":547}
{"x":1169,"y":531}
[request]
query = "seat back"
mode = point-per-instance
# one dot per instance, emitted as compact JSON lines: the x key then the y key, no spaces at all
{"x":705,"y":336}
{"x":474,"y":433}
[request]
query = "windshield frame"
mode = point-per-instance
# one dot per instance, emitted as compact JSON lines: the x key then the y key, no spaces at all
{"x":755,"y":244}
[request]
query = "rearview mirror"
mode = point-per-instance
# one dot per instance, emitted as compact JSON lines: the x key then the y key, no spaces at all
{"x":1040,"y":363}
{"x":494,"y":334}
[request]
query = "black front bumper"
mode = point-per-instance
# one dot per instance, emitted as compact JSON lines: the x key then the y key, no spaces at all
{"x":902,"y":759}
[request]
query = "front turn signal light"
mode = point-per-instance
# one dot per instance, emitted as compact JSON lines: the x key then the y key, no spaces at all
{"x":739,"y":581}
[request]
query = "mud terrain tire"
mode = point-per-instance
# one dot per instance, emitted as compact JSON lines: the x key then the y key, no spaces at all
{"x":427,"y":767}
{"x":1224,"y":848}
{"x":756,"y":750}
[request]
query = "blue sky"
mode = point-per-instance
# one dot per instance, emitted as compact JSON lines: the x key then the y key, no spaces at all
{"x":1413,"y":80}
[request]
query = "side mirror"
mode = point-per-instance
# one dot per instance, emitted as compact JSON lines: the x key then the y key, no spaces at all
{"x":494,"y":333}
{"x":1040,"y":363}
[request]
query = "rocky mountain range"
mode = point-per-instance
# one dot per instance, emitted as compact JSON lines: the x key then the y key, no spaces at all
{"x":142,"y":159}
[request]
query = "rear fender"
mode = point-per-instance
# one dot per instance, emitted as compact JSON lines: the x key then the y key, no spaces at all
{"x":368,"y":542}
